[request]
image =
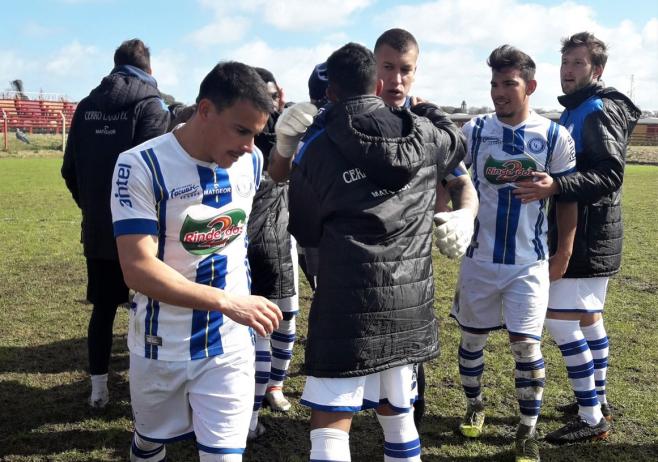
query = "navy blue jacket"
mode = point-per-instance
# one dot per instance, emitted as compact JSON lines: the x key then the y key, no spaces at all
{"x":600,"y":121}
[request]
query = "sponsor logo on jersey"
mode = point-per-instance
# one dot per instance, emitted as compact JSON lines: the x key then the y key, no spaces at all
{"x":536,"y":145}
{"x":106,"y":131}
{"x":202,"y":237}
{"x":186,"y":192}
{"x":491,"y":140}
{"x":121,"y":181}
{"x":508,"y":171}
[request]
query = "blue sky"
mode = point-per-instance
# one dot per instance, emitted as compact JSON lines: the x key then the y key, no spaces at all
{"x":66,"y":46}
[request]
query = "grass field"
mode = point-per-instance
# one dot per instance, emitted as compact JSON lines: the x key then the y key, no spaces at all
{"x":44,"y":386}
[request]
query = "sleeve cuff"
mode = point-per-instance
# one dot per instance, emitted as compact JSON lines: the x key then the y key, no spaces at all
{"x":135,"y":226}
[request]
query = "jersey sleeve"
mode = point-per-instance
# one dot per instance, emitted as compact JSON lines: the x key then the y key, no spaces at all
{"x":257,"y":159}
{"x":563,"y":159}
{"x":132,"y":200}
{"x":467,"y":130}
{"x":458,"y":171}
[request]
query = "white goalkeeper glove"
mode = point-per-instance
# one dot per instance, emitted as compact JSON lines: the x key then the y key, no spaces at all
{"x":291,"y":126}
{"x":453,"y":232}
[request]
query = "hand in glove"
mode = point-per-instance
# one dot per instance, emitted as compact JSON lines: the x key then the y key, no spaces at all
{"x":453,"y":232}
{"x":291,"y":126}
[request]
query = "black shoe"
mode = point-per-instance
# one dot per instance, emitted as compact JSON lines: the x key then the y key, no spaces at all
{"x":579,"y":430}
{"x":572,"y":409}
{"x":419,"y":412}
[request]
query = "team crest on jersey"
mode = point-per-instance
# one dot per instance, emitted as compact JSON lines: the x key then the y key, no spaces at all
{"x":536,"y":145}
{"x":243,"y":185}
{"x":508,"y":171}
{"x":202,"y":237}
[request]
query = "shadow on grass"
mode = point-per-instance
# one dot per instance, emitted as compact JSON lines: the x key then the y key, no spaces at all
{"x":57,"y":357}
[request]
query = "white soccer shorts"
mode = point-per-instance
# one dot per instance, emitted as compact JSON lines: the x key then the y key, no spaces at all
{"x":395,"y":386}
{"x":492,"y":296}
{"x":578,"y":295}
{"x":210,"y":399}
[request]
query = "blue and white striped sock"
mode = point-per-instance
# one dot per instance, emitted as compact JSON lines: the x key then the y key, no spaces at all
{"x":263,"y":364}
{"x":529,"y":378}
{"x":283,"y":340}
{"x":471,"y":364}
{"x":401,"y":440}
{"x":580,"y":366}
{"x":142,"y":450}
{"x":597,"y":339}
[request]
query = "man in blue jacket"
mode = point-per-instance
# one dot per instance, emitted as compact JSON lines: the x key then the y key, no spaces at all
{"x":125,"y":110}
{"x":601,"y":121}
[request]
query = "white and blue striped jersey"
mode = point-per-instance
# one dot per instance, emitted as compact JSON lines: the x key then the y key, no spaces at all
{"x":507,"y":231}
{"x":198,"y":211}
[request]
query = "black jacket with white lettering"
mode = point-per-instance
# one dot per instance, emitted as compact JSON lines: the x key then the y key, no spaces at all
{"x":123,"y":111}
{"x":362,"y":189}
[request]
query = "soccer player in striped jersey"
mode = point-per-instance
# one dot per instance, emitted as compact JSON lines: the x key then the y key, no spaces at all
{"x":180,"y":204}
{"x":504,"y":279}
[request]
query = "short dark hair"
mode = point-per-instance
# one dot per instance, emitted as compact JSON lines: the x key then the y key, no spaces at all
{"x":266,"y":75}
{"x":133,"y":53}
{"x":352,"y":71}
{"x":398,"y":39}
{"x":230,"y":81}
{"x":598,"y":51}
{"x":509,"y":56}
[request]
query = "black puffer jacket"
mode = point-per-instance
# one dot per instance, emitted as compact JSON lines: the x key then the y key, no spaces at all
{"x":601,"y":121}
{"x":269,"y":254}
{"x":123,"y":111}
{"x":363,"y":191}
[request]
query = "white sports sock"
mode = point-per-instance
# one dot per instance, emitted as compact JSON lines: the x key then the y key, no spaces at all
{"x":401,"y":441}
{"x":529,"y":378}
{"x":597,"y":339}
{"x":471,"y":364}
{"x":98,"y":385}
{"x":208,"y":457}
{"x":580,"y":366}
{"x":330,"y":444}
{"x":142,"y":450}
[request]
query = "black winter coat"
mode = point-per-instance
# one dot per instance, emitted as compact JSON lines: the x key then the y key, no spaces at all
{"x":600,"y":121}
{"x":269,"y":249}
{"x":363,"y":190}
{"x":123,"y":111}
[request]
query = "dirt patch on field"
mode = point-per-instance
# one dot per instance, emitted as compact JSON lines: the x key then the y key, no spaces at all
{"x":642,"y":155}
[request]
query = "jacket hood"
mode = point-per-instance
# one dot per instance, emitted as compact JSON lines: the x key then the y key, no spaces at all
{"x":574,"y":100}
{"x":384,"y":142}
{"x":125,"y":86}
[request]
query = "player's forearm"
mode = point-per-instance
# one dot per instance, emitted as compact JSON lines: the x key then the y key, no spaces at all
{"x":463,"y":195}
{"x":567,"y":220}
{"x":157,"y":280}
{"x":279,"y":166}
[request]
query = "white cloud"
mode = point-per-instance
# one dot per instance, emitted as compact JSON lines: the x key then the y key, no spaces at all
{"x":223,"y":29}
{"x":37,"y":30}
{"x":305,"y":15}
{"x":72,"y":59}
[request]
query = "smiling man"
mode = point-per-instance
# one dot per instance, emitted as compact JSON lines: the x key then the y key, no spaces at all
{"x":180,"y":204}
{"x":504,"y":278}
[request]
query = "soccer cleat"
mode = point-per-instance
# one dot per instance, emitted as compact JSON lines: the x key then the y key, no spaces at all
{"x":276,"y":400}
{"x":572,"y":409}
{"x":256,"y":433}
{"x":473,"y":422}
{"x":526,"y":447}
{"x":579,"y":430}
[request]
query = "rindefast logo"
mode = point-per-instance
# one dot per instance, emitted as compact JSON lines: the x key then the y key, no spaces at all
{"x":508,"y":171}
{"x":202,"y":237}
{"x":122,"y":193}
